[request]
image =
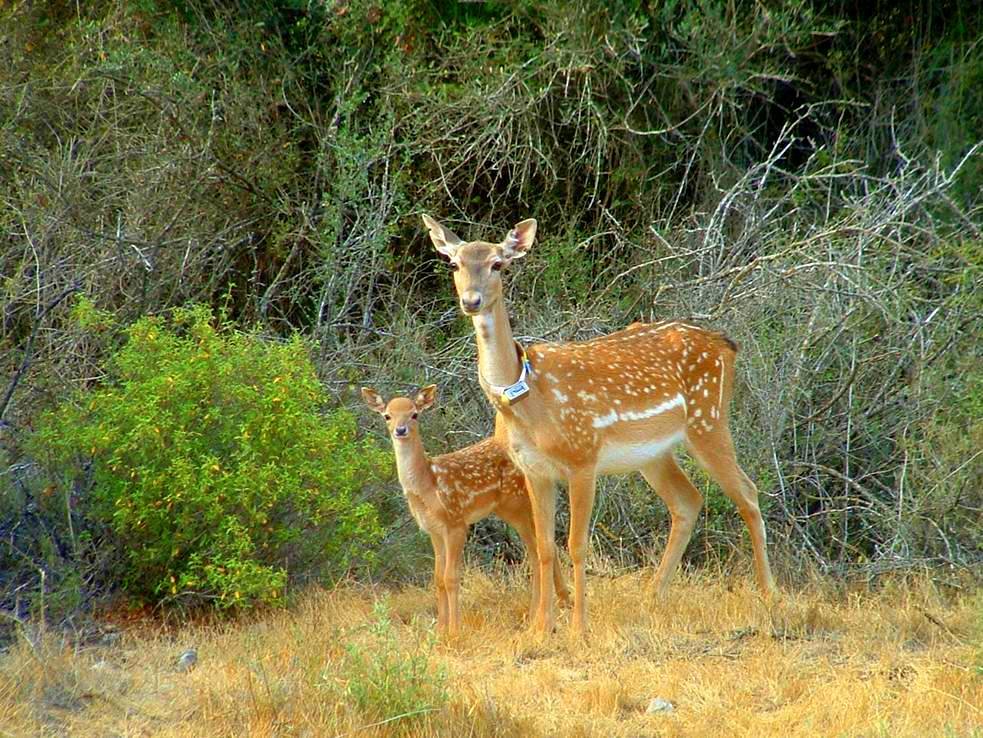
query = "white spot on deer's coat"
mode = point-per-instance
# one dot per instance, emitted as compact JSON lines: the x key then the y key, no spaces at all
{"x":603,"y":421}
{"x":652,"y":411}
{"x":614,"y":416}
{"x":720,"y":400}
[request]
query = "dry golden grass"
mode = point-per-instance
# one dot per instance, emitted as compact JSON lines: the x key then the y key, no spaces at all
{"x":824,"y":661}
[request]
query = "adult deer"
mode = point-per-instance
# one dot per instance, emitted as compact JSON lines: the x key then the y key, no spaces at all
{"x":447,"y":493}
{"x":615,"y":404}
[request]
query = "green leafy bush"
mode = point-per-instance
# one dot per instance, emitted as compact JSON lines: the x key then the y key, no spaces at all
{"x":213,"y":466}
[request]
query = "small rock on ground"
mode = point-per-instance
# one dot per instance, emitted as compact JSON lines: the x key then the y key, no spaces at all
{"x":657,"y":705}
{"x":187,"y":660}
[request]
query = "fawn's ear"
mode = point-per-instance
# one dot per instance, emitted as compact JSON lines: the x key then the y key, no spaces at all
{"x":519,"y":240}
{"x":443,"y":239}
{"x":425,"y":397}
{"x":374,"y":400}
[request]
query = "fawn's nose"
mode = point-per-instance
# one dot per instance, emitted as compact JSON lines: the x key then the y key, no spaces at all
{"x":401,"y":431}
{"x":471,"y":302}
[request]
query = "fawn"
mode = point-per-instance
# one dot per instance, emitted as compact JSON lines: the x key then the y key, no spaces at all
{"x":447,"y":493}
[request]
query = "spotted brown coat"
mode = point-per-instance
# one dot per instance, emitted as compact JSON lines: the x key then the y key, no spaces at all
{"x":446,"y":494}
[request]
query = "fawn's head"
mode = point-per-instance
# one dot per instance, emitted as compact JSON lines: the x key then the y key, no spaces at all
{"x":401,"y":413}
{"x":478,"y":265}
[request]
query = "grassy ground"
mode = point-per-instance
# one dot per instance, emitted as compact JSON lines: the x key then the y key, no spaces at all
{"x":826,"y":660}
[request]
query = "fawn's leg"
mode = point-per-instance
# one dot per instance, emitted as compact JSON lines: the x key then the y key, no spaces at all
{"x":559,"y":581}
{"x":454,"y":545}
{"x":438,"y":578}
{"x":524,"y":526}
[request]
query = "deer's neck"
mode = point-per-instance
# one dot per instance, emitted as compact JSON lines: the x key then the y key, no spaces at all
{"x":413,"y":466}
{"x":497,"y":360}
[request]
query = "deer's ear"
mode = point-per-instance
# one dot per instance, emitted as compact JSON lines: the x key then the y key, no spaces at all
{"x":374,"y":400}
{"x":444,"y":240}
{"x":519,"y":240}
{"x":425,"y":397}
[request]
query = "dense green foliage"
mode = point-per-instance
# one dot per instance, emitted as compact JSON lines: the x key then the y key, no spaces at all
{"x":805,"y":175}
{"x":212,"y":466}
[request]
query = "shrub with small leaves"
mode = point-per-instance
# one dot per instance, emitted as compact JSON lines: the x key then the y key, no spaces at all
{"x":385,"y":682}
{"x":212,"y":464}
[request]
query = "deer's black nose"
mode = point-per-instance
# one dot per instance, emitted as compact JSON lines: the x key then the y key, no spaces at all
{"x":471,"y":302}
{"x":401,"y":430}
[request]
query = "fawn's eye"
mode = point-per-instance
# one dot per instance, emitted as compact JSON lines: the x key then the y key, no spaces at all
{"x":453,"y":266}
{"x":387,"y":416}
{"x":415,"y":416}
{"x":497,"y":266}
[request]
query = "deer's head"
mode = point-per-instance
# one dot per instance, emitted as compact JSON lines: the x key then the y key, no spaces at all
{"x":401,"y":413}
{"x":478,"y":265}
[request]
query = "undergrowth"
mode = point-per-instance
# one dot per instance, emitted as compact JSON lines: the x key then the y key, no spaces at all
{"x":832,"y":658}
{"x":385,"y":682}
{"x":803,"y":175}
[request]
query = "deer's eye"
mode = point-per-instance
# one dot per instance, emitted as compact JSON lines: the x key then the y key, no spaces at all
{"x":453,"y":266}
{"x":387,"y":416}
{"x":497,"y":266}
{"x":414,"y":416}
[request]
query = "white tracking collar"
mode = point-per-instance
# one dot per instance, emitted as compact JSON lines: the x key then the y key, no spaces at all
{"x":514,"y":392}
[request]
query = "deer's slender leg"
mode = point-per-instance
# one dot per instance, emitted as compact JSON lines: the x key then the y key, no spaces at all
{"x":559,"y":581}
{"x":542,"y":495}
{"x":520,"y":517}
{"x":454,"y":548}
{"x":439,"y":564}
{"x":714,"y":450}
{"x":525,"y":527}
{"x":684,"y":502}
{"x":582,"y":484}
